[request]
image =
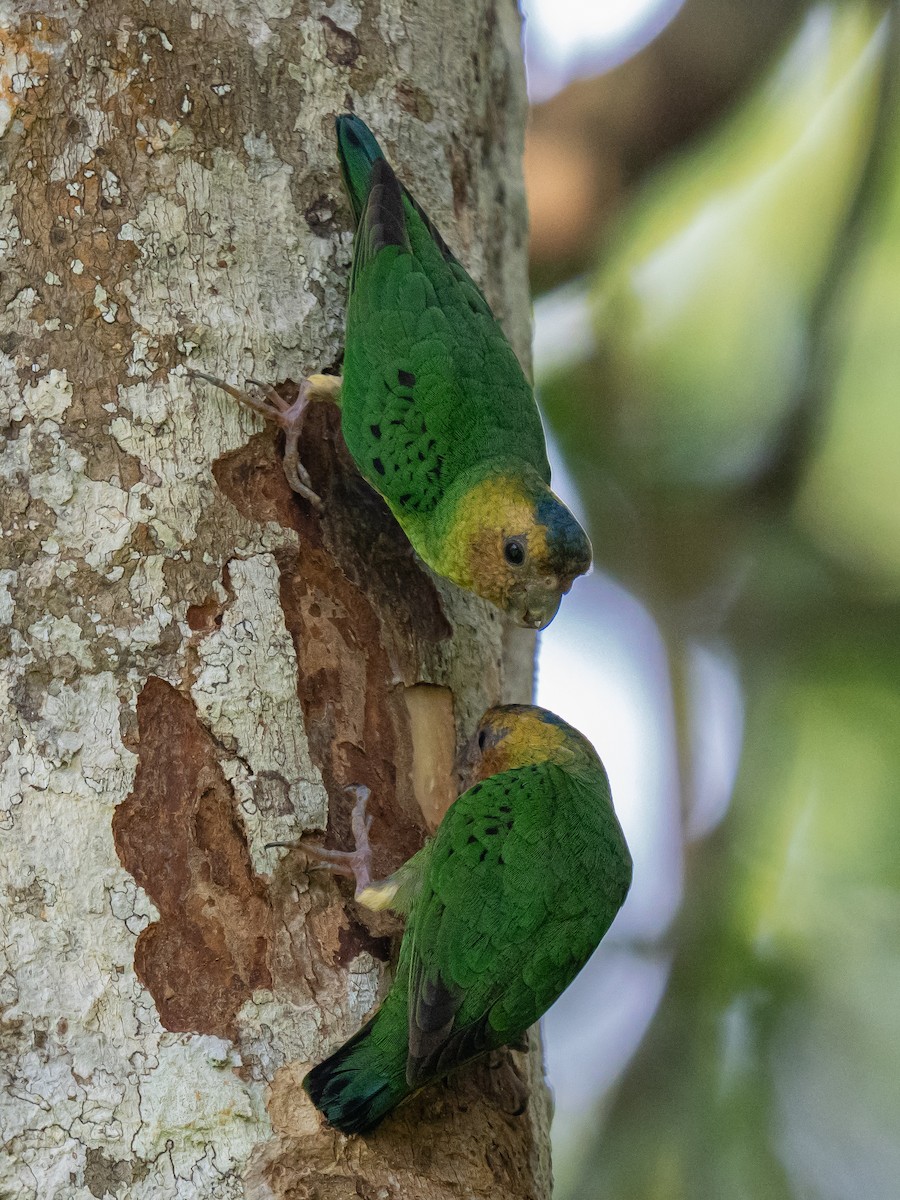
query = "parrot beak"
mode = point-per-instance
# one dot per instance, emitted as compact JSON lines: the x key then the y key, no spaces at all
{"x":540,"y":606}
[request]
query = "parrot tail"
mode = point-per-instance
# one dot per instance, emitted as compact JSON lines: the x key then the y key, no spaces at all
{"x":360,"y":1083}
{"x":358,"y":152}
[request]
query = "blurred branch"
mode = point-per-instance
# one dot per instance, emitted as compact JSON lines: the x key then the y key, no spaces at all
{"x":588,"y":145}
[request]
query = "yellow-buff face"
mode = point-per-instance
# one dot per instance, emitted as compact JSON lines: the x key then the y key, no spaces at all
{"x":516,"y":545}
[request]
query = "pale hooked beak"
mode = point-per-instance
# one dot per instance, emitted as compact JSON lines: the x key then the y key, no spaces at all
{"x":540,"y":606}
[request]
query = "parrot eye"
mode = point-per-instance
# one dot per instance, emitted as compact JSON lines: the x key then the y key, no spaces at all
{"x":482,"y":739}
{"x":514,"y":552}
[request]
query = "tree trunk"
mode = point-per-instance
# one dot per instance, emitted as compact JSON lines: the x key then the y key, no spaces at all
{"x":194,"y":660}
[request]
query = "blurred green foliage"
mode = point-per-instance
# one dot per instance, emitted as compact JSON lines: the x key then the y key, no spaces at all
{"x":702,"y":308}
{"x":736,"y":437}
{"x":850,"y":496}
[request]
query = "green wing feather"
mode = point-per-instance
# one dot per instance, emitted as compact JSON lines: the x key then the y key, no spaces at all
{"x":484,"y":963}
{"x":506,"y":904}
{"x":431,"y":385}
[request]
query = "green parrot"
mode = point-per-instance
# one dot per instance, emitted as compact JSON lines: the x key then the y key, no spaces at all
{"x":504,"y":907}
{"x":436,"y":410}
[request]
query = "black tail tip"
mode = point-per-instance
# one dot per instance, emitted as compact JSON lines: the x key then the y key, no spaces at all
{"x":344,"y":1105}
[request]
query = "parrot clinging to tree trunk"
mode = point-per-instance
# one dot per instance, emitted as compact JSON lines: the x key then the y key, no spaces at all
{"x":504,"y":907}
{"x":436,"y":410}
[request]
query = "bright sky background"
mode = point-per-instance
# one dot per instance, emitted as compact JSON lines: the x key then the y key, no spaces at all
{"x":568,"y":38}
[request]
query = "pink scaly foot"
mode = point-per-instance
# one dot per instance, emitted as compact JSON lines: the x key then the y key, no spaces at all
{"x":289,"y":416}
{"x":356,"y":863}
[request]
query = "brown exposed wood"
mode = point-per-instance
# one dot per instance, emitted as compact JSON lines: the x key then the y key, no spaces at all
{"x":180,"y":838}
{"x":430,"y":712}
{"x":362,"y":613}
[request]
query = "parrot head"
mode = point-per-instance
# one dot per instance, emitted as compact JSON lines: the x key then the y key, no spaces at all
{"x":518,"y":735}
{"x":512,"y":541}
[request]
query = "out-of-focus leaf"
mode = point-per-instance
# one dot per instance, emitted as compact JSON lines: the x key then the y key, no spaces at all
{"x":849,"y":499}
{"x":702,"y":309}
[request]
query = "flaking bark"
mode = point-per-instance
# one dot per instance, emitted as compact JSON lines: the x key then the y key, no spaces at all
{"x":194,"y":661}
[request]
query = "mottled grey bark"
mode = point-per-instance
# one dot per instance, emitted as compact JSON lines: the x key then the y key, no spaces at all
{"x":194,"y":661}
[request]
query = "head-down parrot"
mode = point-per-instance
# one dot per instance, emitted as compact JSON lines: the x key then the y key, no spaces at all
{"x":436,"y":410}
{"x":505,"y":904}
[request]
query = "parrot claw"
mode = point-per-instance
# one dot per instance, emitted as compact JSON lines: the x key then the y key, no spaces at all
{"x":355,"y":863}
{"x":289,"y":416}
{"x":507,"y":1081}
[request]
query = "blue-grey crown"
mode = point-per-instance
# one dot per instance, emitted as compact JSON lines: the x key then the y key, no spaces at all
{"x":567,"y":543}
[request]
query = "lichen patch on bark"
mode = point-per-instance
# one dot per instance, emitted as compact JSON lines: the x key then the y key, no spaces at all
{"x":245,"y":692}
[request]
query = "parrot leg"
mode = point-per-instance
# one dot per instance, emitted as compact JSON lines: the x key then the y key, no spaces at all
{"x":395,"y":891}
{"x":503,"y":1078}
{"x":356,"y":863}
{"x":521,"y":1044}
{"x":290,"y":416}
